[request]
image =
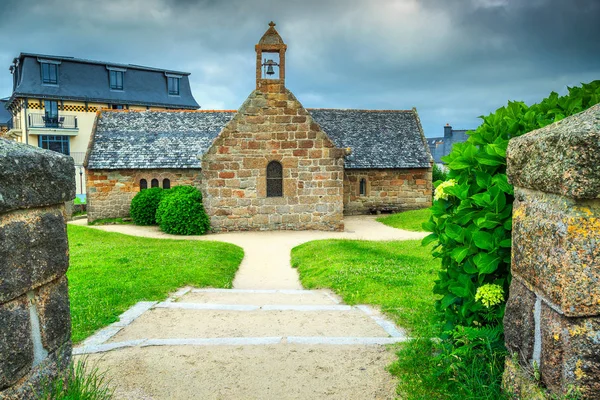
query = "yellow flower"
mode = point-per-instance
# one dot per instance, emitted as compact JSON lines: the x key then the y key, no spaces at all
{"x":490,"y":295}
{"x":440,"y":192}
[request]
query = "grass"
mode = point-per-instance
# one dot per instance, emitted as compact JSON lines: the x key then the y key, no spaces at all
{"x":407,"y":220}
{"x":81,"y":382}
{"x":110,"y":272}
{"x":399,"y":277}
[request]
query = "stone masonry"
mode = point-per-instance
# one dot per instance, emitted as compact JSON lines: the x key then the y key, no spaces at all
{"x":110,"y":191}
{"x":387,"y":190}
{"x":269,"y":126}
{"x":553,"y":313}
{"x":35,"y":324}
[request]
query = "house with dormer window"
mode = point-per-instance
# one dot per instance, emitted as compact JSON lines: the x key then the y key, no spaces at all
{"x":55,"y":99}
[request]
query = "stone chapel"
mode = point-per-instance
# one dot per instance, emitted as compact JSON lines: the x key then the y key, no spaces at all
{"x":270,"y":165}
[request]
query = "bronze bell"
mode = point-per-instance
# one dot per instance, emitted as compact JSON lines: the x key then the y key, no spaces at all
{"x":270,"y":70}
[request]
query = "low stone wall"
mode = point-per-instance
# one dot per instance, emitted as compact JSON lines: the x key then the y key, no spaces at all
{"x":388,"y":190}
{"x":109,"y":192}
{"x":35,"y":324}
{"x":552,"y":316}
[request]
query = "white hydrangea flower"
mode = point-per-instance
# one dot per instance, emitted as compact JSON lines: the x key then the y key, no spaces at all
{"x":440,"y":192}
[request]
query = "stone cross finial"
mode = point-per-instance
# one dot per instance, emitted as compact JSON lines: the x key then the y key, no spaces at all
{"x":272,"y":24}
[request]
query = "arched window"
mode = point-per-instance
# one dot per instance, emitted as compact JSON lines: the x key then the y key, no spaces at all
{"x":274,"y":179}
{"x":154,"y":183}
{"x":166,"y":184}
{"x":363,"y":187}
{"x":143,"y":184}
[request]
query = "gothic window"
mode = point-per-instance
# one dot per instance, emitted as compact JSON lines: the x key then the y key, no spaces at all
{"x":143,"y":184}
{"x":274,"y":179}
{"x":166,"y":184}
{"x":363,"y":187}
{"x":154,"y":183}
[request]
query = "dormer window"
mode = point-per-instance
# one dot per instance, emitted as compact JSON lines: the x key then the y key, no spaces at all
{"x":173,"y":83}
{"x":116,"y":79}
{"x":49,"y":73}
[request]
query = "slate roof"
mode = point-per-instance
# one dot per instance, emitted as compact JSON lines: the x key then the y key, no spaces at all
{"x":159,"y":139}
{"x":442,"y":146}
{"x":153,"y":139}
{"x":5,"y":115}
{"x":87,"y":80}
{"x":378,"y":138}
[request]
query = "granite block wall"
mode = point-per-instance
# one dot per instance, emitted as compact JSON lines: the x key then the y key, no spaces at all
{"x":109,"y":192}
{"x":35,"y":324}
{"x":387,"y":190}
{"x":552,"y":316}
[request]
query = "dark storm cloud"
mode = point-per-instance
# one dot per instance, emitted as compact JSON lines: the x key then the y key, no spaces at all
{"x":453,"y":60}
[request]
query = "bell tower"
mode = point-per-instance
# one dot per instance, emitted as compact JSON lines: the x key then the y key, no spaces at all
{"x":270,"y":62}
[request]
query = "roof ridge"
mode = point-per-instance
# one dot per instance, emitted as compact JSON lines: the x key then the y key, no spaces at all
{"x":104,"y":110}
{"x":97,"y":62}
{"x":360,"y":109}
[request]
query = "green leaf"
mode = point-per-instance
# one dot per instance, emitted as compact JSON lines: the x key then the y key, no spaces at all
{"x":459,"y":163}
{"x":432,"y":237}
{"x":486,"y":263}
{"x":483,"y":240}
{"x":455,"y":232}
{"x":459,"y":254}
{"x":506,"y":243}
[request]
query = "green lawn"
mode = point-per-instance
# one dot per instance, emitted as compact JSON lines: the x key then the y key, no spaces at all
{"x":398,"y":276}
{"x":110,"y":272}
{"x":407,"y":220}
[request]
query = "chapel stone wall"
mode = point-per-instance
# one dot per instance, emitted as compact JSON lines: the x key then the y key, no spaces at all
{"x":109,"y":192}
{"x":35,"y":323}
{"x":552,"y":319}
{"x":387,"y":190}
{"x":272,"y":125}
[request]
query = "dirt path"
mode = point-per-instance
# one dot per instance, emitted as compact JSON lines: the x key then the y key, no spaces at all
{"x":265,"y":339}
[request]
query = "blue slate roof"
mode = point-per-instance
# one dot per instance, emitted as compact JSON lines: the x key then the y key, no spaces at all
{"x":87,"y":80}
{"x":442,"y":146}
{"x":5,"y":115}
{"x":377,"y":138}
{"x":158,"y":139}
{"x":153,"y":139}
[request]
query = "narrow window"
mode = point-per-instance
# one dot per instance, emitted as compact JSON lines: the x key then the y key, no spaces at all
{"x":57,"y":143}
{"x":116,"y":80}
{"x":173,"y":86}
{"x":51,"y":114}
{"x":143,"y":184}
{"x":49,"y":73}
{"x":274,"y":179}
{"x":363,"y":187}
{"x":117,"y":106}
{"x":154,"y":183}
{"x":166,"y":184}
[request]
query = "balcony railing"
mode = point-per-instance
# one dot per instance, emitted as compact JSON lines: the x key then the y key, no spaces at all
{"x":38,"y":120}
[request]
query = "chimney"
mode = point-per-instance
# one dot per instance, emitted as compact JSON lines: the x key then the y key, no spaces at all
{"x":447,"y":131}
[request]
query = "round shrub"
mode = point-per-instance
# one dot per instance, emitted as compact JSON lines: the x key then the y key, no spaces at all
{"x":143,"y":206}
{"x":191,"y":190}
{"x":181,"y":213}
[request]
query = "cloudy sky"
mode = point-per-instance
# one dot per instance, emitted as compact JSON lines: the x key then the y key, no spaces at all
{"x":452,"y":59}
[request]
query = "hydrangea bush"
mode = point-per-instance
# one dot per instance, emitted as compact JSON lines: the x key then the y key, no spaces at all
{"x":472,"y":211}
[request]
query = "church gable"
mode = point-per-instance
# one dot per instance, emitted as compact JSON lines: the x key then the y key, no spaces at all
{"x":272,"y":128}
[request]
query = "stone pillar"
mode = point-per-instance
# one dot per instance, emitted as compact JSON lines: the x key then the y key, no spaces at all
{"x":552,"y":319}
{"x":35,"y":324}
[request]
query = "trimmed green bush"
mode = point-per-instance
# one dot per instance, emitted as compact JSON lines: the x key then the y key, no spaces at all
{"x":191,"y":190}
{"x":181,"y":212}
{"x":144,"y":204}
{"x":472,"y":212}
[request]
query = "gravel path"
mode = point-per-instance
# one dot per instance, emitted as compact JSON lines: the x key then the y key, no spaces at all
{"x":265,"y":339}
